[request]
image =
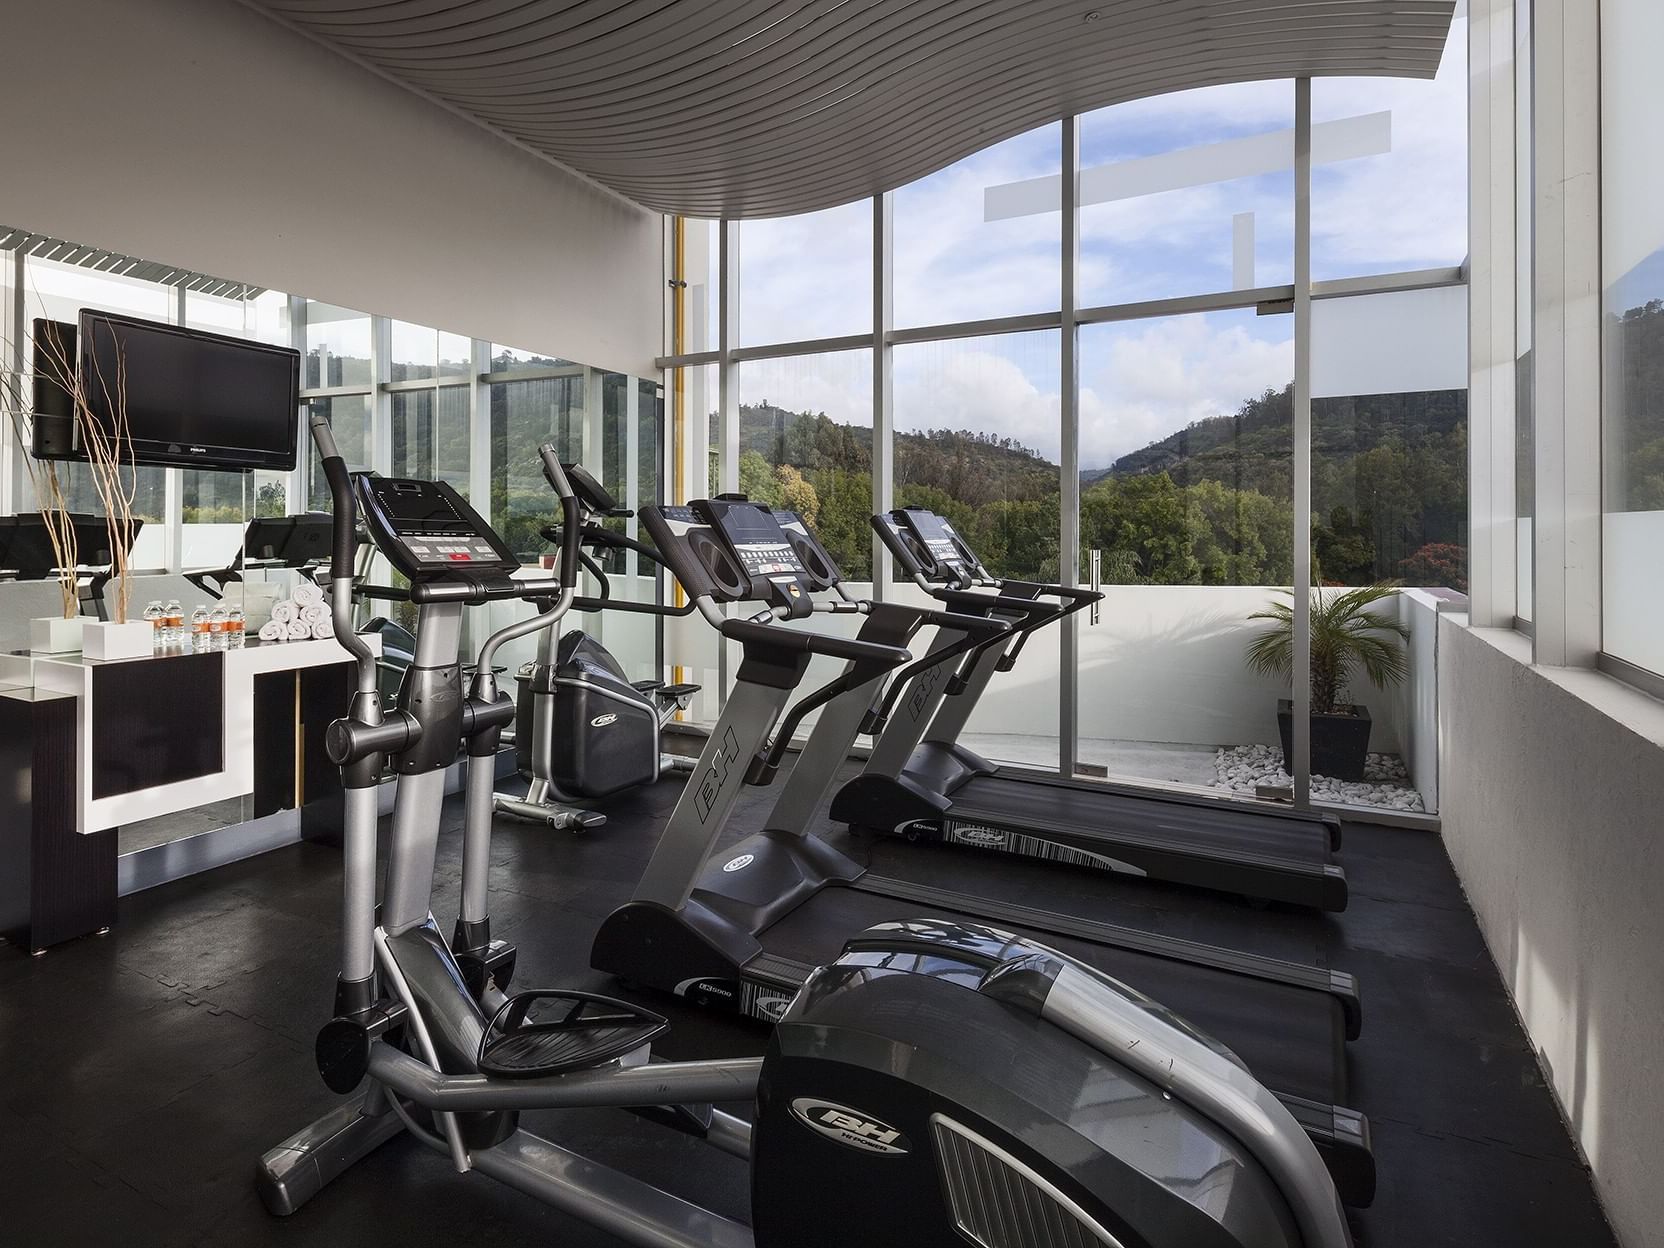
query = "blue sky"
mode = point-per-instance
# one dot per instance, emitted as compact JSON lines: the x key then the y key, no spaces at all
{"x":810,"y":276}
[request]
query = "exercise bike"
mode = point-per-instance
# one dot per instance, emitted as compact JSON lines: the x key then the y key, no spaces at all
{"x":938,"y":1084}
{"x":583,"y":730}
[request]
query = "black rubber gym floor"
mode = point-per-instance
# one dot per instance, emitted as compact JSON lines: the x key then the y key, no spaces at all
{"x":142,"y":1073}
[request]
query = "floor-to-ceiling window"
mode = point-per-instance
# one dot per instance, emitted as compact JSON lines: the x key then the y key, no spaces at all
{"x":1177,"y":404}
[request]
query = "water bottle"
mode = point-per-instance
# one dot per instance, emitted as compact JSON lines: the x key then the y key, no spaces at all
{"x":234,"y":629}
{"x":173,"y":626}
{"x":216,"y":629}
{"x":199,"y":629}
{"x":158,"y":626}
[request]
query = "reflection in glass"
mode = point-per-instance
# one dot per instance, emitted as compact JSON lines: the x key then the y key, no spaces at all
{"x":415,"y":352}
{"x":430,"y":435}
{"x":1632,"y":37}
{"x":524,"y":415}
{"x":337,"y":347}
{"x":349,"y":419}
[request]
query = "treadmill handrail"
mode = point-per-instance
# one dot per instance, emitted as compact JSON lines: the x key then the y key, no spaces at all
{"x":802,"y":641}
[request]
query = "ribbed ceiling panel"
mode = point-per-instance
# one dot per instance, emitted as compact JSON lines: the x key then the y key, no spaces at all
{"x":747,"y":108}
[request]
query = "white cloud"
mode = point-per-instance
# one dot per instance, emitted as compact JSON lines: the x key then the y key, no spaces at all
{"x":976,"y":386}
{"x":1141,"y":382}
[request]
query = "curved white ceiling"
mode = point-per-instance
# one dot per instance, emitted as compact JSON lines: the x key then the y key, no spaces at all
{"x":765,"y":107}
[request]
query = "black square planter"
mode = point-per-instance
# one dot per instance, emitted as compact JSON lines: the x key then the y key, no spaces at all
{"x":1340,"y":743}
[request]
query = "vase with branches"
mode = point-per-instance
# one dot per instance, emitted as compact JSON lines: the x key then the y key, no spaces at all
{"x":1349,"y":635}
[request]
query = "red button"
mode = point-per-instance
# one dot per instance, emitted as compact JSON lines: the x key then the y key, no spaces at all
{"x":454,"y":558}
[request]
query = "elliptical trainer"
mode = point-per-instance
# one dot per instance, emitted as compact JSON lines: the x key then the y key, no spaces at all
{"x":936,"y":1084}
{"x":583,"y":730}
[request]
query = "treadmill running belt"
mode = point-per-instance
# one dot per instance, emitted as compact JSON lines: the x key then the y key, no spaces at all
{"x":1171,"y":825}
{"x":1292,"y":1039}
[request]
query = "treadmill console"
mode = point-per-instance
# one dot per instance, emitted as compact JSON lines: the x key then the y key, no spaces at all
{"x":928,"y":545}
{"x":428,"y":531}
{"x":817,"y":563}
{"x":732,"y":551}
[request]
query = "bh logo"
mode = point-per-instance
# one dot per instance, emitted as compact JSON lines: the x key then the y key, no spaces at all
{"x":849,"y":1127}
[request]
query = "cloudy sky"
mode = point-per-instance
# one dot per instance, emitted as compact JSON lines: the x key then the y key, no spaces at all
{"x":810,"y":276}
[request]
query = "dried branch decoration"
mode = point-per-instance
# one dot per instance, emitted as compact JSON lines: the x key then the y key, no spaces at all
{"x":51,"y":361}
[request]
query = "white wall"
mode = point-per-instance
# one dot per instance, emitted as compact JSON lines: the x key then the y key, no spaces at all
{"x":202,"y":134}
{"x":1553,"y":810}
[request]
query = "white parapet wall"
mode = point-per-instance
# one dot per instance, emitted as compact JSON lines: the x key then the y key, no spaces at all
{"x":1163,"y":664}
{"x":1552,"y":801}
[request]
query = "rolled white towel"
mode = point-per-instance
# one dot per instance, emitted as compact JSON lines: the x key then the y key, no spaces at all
{"x":299,"y":630}
{"x":271,"y":630}
{"x":322,"y":630}
{"x":285,"y":612}
{"x":315,"y":613}
{"x":306,"y":593}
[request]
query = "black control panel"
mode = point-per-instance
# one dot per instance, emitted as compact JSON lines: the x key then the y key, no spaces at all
{"x":817,"y":563}
{"x":928,"y":545}
{"x":591,"y":493}
{"x":428,"y":531}
{"x":732,"y":550}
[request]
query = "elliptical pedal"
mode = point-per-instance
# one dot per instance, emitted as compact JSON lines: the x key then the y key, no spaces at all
{"x":515,"y":1046}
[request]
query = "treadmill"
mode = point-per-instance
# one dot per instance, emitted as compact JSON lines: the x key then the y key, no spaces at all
{"x":921,"y":783}
{"x":742,"y":930}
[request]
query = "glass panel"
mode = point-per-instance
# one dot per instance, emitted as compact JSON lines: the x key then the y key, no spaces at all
{"x":524,"y":415}
{"x":264,"y":318}
{"x":958,"y":258}
{"x":59,"y":292}
{"x":1390,"y":170}
{"x":699,"y":299}
{"x":337,"y":347}
{"x":430,"y":435}
{"x":806,"y":445}
{"x":349,"y":418}
{"x":1390,"y":508}
{"x":1632,"y":42}
{"x":507,"y":359}
{"x":1525,"y":475}
{"x":456,"y":355}
{"x":978,"y":431}
{"x":415,"y":355}
{"x":1187,"y":506}
{"x":1185,"y":194}
{"x":828,"y":253}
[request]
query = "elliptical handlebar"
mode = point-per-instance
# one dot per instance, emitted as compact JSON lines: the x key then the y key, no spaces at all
{"x":571,"y":511}
{"x":343,"y":554}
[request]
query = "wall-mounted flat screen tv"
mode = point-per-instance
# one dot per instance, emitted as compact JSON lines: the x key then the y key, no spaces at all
{"x":191,"y":397}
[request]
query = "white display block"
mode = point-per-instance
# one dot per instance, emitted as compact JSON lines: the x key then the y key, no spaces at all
{"x":54,"y":634}
{"x":102,"y":639}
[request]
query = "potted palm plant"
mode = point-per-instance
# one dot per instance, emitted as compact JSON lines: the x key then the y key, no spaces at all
{"x":1348,"y":635}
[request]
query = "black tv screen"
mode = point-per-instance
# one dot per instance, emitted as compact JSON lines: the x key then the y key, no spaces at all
{"x":193,"y":398}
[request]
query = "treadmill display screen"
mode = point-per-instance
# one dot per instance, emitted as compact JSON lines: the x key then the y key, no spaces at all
{"x":937,"y":537}
{"x":760,"y":543}
{"x":423,"y":509}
